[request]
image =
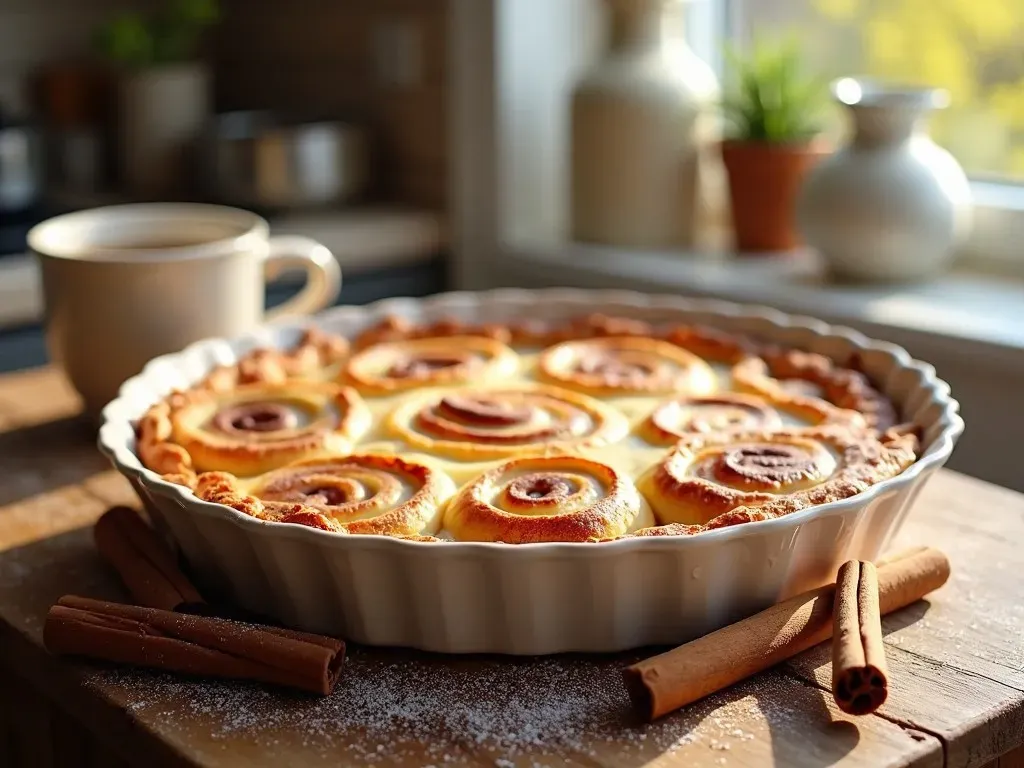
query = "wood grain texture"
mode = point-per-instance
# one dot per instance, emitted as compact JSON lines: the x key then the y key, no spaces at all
{"x":957,"y":692}
{"x":1013,"y":759}
{"x":773,"y":717}
{"x":37,"y":395}
{"x":957,"y":659}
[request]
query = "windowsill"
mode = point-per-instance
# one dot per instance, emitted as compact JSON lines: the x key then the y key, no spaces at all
{"x":998,"y":229}
{"x":956,"y":307}
{"x":360,"y":239}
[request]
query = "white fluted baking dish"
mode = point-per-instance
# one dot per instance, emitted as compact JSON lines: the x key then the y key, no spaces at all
{"x":532,"y":598}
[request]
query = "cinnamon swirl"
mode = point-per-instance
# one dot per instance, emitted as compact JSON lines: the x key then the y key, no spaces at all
{"x":495,"y":423}
{"x":359,"y":494}
{"x":625,"y":365}
{"x":806,"y":375}
{"x":754,"y":431}
{"x":557,"y":498}
{"x":390,"y":367}
{"x":770,"y":473}
{"x":710,"y":344}
{"x":736,"y":412}
{"x":256,"y":427}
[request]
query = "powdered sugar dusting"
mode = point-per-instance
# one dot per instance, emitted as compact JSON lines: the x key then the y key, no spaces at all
{"x":392,"y":707}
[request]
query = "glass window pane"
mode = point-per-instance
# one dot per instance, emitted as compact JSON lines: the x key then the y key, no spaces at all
{"x":973,"y":48}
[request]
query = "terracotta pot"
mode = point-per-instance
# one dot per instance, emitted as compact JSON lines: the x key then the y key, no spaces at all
{"x":764,"y":181}
{"x":72,"y":94}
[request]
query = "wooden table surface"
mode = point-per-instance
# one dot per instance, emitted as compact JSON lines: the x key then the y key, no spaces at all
{"x":956,"y":660}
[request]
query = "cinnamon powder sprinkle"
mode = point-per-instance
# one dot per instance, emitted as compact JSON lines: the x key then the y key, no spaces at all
{"x":421,"y":709}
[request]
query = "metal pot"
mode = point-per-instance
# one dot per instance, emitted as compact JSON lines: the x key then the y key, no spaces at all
{"x":21,"y":166}
{"x":257,"y":159}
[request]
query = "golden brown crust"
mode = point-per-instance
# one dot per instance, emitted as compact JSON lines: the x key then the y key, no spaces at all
{"x":625,"y":365}
{"x":738,"y":517}
{"x":726,"y":412}
{"x":772,"y":473}
{"x":249,"y":429}
{"x":723,"y":412}
{"x":153,"y":435}
{"x":710,"y":344}
{"x":806,"y":375}
{"x":501,"y":422}
{"x":672,"y":529}
{"x":396,"y":328}
{"x":546,"y":499}
{"x":521,"y":332}
{"x":478,"y":420}
{"x":396,"y":366}
{"x":358,"y":494}
{"x":600,"y":325}
{"x":315,"y":351}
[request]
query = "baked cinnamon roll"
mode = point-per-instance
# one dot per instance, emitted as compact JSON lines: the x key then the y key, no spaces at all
{"x":710,"y":343}
{"x":725,"y":412}
{"x":805,"y":375}
{"x":359,"y":494}
{"x":254,"y":427}
{"x":625,"y":365}
{"x":672,"y":529}
{"x":390,"y":367}
{"x":736,"y":412}
{"x":396,"y":328}
{"x":557,"y":498}
{"x":769,"y":473}
{"x":317,"y":354}
{"x":494,"y":423}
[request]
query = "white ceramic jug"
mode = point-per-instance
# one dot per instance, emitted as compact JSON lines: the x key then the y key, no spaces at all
{"x":161,"y":112}
{"x":641,"y":122}
{"x":892,"y":205}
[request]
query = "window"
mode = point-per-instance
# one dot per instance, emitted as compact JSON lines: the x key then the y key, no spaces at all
{"x":973,"y":48}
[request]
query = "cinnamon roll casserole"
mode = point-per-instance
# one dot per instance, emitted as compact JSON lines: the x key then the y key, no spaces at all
{"x":583,"y":431}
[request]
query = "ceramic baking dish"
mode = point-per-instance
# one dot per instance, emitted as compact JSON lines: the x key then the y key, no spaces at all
{"x":532,"y":598}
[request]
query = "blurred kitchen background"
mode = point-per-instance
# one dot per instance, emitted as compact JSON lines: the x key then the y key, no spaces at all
{"x":329,"y":118}
{"x":682,"y":146}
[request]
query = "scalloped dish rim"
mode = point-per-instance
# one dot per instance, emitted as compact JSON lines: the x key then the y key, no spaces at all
{"x":116,"y":434}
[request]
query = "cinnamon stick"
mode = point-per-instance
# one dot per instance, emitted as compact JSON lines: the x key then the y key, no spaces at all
{"x":145,"y":564}
{"x":860,"y":681}
{"x":664,"y":683}
{"x":195,"y":645}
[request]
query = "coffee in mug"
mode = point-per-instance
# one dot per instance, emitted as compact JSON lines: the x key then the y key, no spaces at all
{"x":126,"y":283}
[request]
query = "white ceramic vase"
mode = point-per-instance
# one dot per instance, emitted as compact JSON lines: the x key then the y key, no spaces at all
{"x":161,"y":111}
{"x":641,"y":133}
{"x":892,"y":205}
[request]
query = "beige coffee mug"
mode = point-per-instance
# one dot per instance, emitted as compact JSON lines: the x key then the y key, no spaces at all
{"x":126,"y":283}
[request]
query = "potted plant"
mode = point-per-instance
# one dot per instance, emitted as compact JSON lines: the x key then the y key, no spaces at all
{"x":163,"y":98}
{"x":772,"y":109}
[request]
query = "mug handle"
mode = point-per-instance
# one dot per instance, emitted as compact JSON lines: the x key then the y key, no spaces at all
{"x":323,"y":275}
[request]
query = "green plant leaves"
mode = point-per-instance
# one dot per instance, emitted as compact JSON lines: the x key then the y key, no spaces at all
{"x":126,"y":39}
{"x":197,"y":12}
{"x":170,"y":36}
{"x":771,"y":98}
